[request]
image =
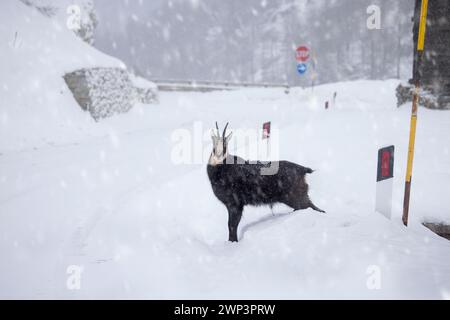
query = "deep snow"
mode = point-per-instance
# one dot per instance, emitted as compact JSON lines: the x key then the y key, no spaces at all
{"x":144,"y":227}
{"x":108,"y":196}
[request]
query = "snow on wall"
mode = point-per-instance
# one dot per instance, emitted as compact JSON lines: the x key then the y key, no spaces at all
{"x":107,"y":91}
{"x":146,"y":91}
{"x":101,"y":91}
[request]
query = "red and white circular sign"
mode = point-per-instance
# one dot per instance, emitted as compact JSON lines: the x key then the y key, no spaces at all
{"x":302,"y":54}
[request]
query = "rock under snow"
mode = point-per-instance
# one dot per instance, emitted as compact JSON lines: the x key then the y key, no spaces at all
{"x":146,"y":91}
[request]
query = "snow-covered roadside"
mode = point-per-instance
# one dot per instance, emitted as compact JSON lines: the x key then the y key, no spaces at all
{"x":143,"y":227}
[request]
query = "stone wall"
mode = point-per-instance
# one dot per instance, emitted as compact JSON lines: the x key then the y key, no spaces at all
{"x":427,"y":98}
{"x":104,"y":92}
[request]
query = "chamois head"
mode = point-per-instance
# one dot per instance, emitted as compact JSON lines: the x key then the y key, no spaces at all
{"x":220,"y":146}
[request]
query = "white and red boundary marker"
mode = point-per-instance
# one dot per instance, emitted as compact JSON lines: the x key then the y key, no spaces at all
{"x":385,"y":178}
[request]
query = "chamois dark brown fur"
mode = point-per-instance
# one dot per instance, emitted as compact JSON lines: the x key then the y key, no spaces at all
{"x":237,"y":183}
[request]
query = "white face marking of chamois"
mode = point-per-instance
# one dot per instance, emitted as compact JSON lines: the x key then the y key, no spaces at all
{"x":220,"y":146}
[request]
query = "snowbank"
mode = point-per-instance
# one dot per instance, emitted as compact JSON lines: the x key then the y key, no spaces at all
{"x":142,"y":83}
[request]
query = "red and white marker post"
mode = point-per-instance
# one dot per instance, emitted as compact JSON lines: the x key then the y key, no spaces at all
{"x":385,"y":178}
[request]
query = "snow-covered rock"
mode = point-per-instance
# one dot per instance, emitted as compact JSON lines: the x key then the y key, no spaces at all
{"x":108,"y":91}
{"x":427,"y":98}
{"x":102,"y":91}
{"x":146,"y":91}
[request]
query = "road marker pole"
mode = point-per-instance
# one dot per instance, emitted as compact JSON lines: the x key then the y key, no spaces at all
{"x":266,"y":136}
{"x":385,"y":178}
{"x":416,"y":96}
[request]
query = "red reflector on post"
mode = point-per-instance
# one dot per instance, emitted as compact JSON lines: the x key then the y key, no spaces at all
{"x":385,"y":163}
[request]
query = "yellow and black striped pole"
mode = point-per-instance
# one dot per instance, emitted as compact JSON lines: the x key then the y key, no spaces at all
{"x":412,"y":132}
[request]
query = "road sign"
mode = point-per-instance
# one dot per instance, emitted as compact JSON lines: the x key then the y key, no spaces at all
{"x":385,"y":175}
{"x":302,"y":54}
{"x":302,"y":68}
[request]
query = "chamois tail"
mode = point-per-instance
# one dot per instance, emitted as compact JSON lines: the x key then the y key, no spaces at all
{"x":308,"y":170}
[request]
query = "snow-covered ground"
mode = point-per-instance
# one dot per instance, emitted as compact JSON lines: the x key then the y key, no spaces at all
{"x":143,"y":227}
{"x":108,"y":196}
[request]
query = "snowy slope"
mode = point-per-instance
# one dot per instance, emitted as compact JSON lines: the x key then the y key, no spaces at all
{"x":34,"y":99}
{"x":80,"y":15}
{"x":143,"y":227}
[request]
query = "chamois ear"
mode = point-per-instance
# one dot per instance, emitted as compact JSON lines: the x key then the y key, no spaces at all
{"x":214,"y":136}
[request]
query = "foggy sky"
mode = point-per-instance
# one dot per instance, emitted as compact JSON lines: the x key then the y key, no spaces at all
{"x":253,"y":40}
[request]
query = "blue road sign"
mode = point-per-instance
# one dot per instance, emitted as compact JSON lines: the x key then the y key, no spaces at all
{"x":301,"y":68}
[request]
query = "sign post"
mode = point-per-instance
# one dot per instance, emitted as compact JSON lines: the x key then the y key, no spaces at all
{"x":302,"y":55}
{"x":413,"y":125}
{"x":314,"y":70}
{"x":385,"y":175}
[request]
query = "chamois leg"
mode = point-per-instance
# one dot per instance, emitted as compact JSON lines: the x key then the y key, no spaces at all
{"x":312,"y":206}
{"x":234,"y":217}
{"x":297,"y":202}
{"x":302,"y":203}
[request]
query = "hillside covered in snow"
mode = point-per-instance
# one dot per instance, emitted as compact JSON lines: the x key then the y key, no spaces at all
{"x":38,"y":51}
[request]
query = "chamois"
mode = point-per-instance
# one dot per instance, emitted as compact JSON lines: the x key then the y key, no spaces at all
{"x":237,"y":183}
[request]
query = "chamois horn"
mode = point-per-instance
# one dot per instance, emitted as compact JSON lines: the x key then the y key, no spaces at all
{"x":224,"y":131}
{"x":218,"y":133}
